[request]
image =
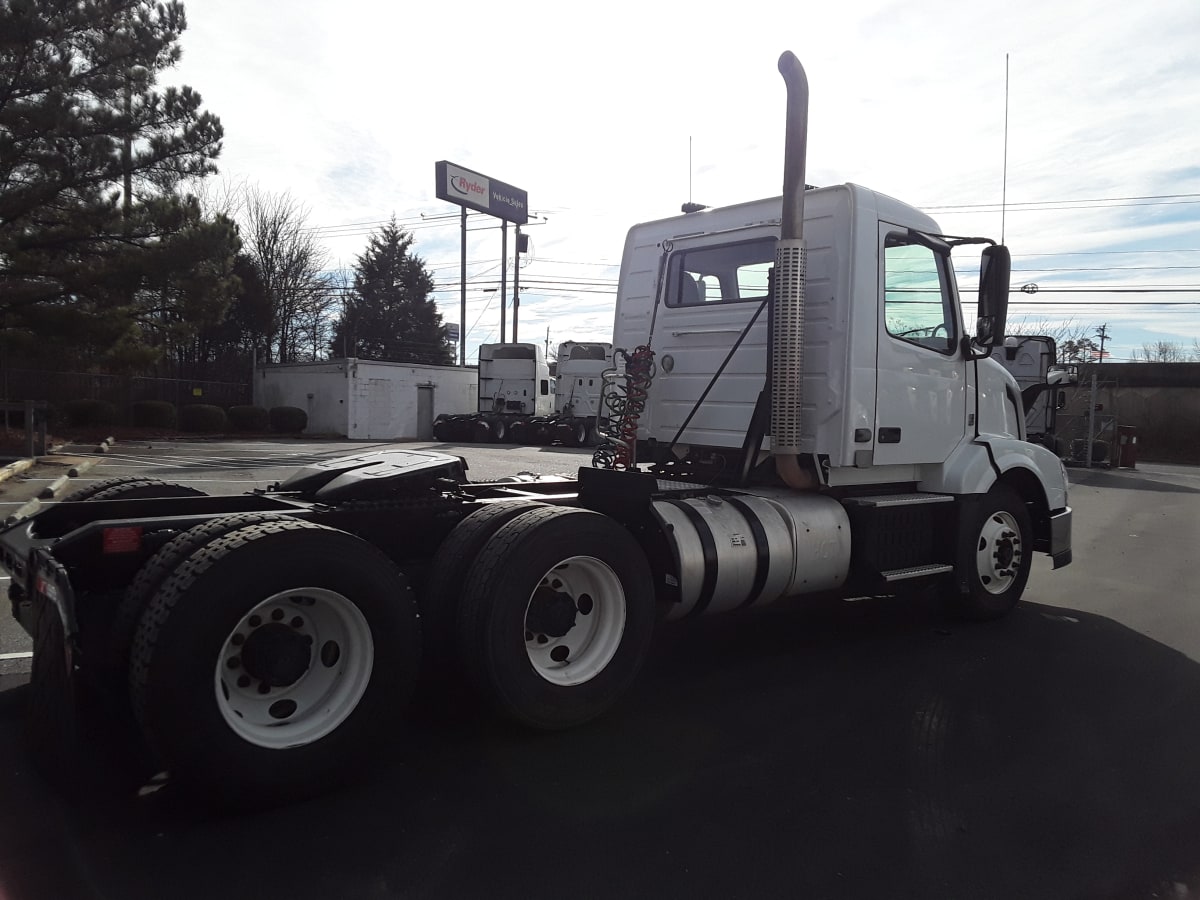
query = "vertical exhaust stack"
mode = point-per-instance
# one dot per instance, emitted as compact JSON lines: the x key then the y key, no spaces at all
{"x":787,"y":347}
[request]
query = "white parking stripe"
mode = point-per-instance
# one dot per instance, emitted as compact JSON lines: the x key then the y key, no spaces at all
{"x":26,"y":655}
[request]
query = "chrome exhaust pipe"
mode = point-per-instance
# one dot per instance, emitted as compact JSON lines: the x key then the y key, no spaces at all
{"x":787,"y":348}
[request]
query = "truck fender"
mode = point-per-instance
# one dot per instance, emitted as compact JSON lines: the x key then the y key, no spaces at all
{"x":972,"y":469}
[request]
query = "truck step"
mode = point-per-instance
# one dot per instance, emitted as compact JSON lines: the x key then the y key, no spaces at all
{"x":915,"y":572}
{"x":886,"y":500}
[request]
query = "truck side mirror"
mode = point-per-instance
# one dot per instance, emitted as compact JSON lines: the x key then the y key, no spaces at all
{"x":995,"y":267}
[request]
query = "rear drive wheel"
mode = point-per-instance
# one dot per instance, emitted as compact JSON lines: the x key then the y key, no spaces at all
{"x":275,"y":660}
{"x":145,"y":489}
{"x":481,"y":432}
{"x":53,"y":718}
{"x":499,"y":431}
{"x":998,"y":555}
{"x":439,"y":600}
{"x":157,"y":570}
{"x":557,"y":616}
{"x":110,"y":484}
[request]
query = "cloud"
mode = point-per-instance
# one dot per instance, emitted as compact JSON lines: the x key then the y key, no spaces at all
{"x":347,"y":106}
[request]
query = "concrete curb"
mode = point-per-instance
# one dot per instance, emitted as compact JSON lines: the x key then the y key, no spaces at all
{"x":15,"y":468}
{"x":26,"y":510}
{"x":50,"y":491}
{"x":76,"y":471}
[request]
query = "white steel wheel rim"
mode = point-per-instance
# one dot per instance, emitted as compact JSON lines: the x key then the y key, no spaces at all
{"x":589,"y":645}
{"x":998,"y":553}
{"x":323,"y":651}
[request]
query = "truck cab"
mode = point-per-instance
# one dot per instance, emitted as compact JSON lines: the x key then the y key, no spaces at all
{"x":514,"y":378}
{"x":892,"y":391}
{"x":581,"y":365}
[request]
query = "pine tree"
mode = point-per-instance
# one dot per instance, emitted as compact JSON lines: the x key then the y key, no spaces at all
{"x":99,"y":252}
{"x":389,"y":315}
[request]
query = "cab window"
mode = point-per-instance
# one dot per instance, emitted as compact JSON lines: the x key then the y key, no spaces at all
{"x":918,"y":301}
{"x":727,"y":273}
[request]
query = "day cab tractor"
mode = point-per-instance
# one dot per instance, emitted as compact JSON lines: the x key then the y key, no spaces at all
{"x":514,"y":387}
{"x":521,"y":402}
{"x":798,"y":410}
{"x":1032,"y":359}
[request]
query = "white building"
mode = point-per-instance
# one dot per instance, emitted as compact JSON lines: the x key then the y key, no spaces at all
{"x":368,"y":400}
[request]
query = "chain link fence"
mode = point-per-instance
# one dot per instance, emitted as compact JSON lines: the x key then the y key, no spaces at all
{"x":58,"y":388}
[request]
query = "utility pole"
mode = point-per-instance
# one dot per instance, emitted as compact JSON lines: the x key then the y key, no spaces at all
{"x":504,"y":274}
{"x":1102,"y":333}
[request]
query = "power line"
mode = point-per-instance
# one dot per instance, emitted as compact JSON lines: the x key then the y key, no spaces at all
{"x":1099,"y":202}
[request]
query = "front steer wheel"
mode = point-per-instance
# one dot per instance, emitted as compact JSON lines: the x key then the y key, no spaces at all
{"x":556,"y":617}
{"x":998,"y":554}
{"x":275,"y":661}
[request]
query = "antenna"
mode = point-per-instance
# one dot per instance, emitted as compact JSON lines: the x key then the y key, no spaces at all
{"x":689,"y":168}
{"x":1004,"y":181}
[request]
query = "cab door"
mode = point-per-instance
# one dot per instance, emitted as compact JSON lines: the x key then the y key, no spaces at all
{"x":920,"y":412}
{"x":714,"y":287}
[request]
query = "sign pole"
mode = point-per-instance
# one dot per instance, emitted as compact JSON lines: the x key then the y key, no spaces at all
{"x":462,"y":295}
{"x":503,"y":275}
{"x":517,"y":284}
{"x":472,"y":190}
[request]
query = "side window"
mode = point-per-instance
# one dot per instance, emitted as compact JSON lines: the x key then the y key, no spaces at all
{"x":727,"y":273}
{"x":545,"y":387}
{"x":918,"y":302}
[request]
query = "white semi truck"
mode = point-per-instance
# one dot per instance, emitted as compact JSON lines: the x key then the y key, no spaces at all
{"x":1032,"y":359}
{"x":799,"y":410}
{"x":520,"y":401}
{"x":514,"y":386}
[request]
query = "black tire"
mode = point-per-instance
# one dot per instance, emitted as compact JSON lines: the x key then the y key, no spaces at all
{"x":500,"y":431}
{"x":145,"y":489}
{"x":581,"y":434}
{"x":54,"y":723}
{"x":151,"y":577}
{"x":443,"y":431}
{"x":440,"y":598}
{"x":516,"y":432}
{"x":565,"y":555}
{"x":208,"y":617}
{"x":997,"y":553}
{"x":86,"y":493}
{"x":481,"y":432}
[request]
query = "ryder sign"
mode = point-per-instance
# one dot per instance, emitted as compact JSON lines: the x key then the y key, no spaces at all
{"x":486,"y":195}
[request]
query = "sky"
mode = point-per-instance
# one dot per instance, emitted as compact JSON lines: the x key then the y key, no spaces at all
{"x":617,"y":113}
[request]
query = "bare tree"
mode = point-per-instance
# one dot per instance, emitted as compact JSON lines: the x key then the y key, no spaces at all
{"x":1161,"y":351}
{"x":1075,"y":342}
{"x":290,"y":261}
{"x":314,"y":322}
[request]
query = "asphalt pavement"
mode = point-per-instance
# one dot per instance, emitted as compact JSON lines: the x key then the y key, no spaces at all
{"x":867,"y":749}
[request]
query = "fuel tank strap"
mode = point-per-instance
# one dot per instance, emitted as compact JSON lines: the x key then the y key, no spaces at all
{"x":762,"y":553}
{"x":708,"y":547}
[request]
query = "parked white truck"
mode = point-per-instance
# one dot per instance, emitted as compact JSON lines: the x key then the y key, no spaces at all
{"x":1032,"y":359}
{"x":799,"y":409}
{"x":520,"y":401}
{"x":514,"y":386}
